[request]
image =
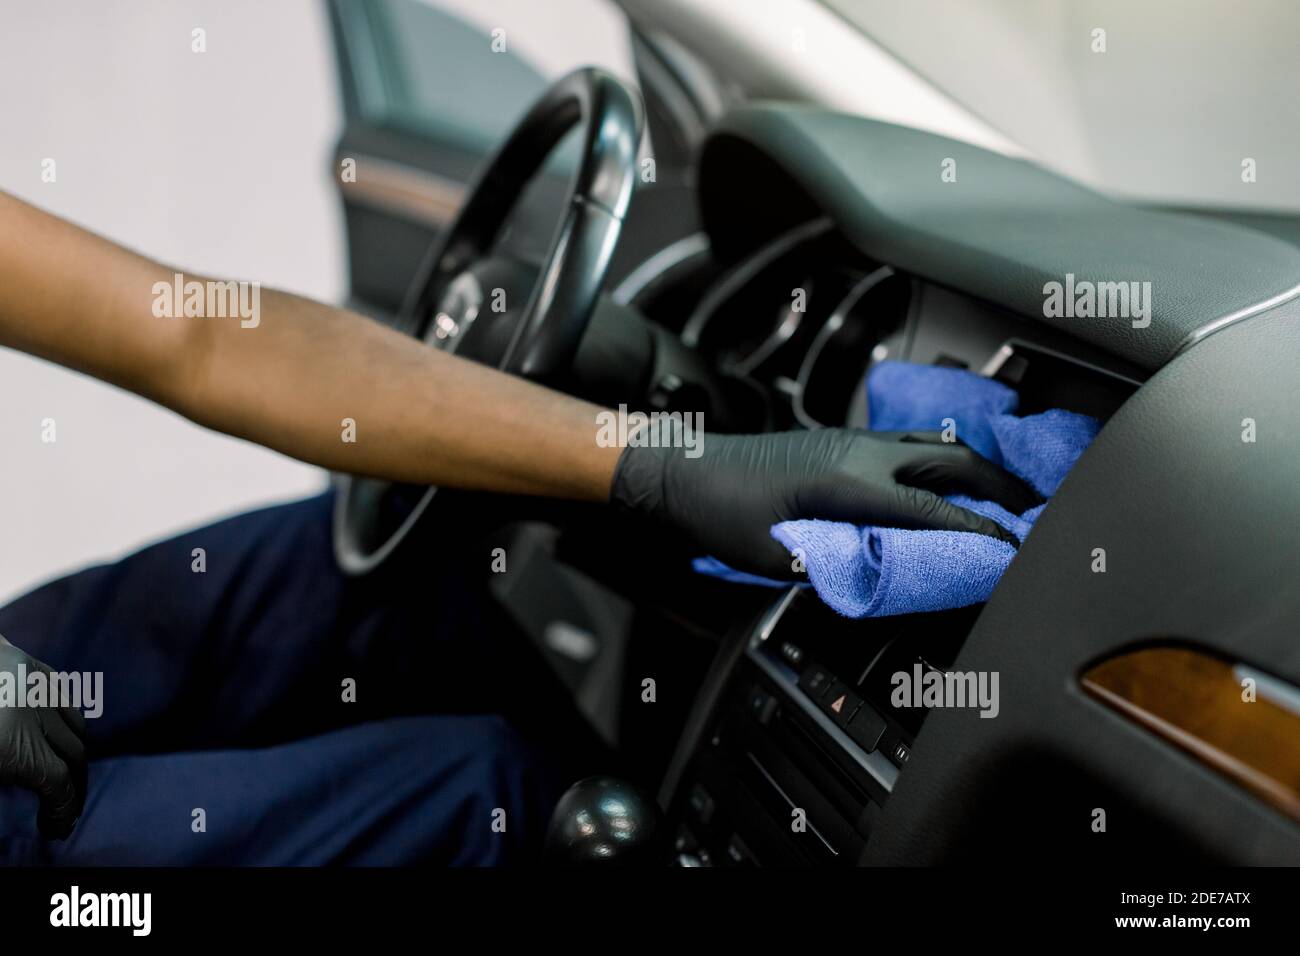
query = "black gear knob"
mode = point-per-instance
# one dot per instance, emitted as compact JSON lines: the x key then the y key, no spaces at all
{"x":601,"y":821}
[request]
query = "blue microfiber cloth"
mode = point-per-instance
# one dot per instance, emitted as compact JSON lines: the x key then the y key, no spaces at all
{"x":876,"y":572}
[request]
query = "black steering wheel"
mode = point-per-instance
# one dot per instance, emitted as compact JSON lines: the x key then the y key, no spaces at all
{"x":448,"y":303}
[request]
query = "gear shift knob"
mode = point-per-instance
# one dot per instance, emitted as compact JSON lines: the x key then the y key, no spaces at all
{"x":601,"y":821}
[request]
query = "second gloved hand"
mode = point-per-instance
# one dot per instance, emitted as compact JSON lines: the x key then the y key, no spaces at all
{"x":42,"y":748}
{"x":728,"y":498}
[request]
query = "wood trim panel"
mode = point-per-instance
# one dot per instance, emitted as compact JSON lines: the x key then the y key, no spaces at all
{"x":403,"y":190}
{"x":1195,"y":701}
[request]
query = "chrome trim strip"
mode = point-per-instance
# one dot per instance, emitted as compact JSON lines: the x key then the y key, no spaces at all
{"x":648,"y":272}
{"x":414,"y":193}
{"x":826,"y":333}
{"x":1273,"y":689}
{"x":793,"y":806}
{"x":1008,"y":349}
{"x":876,"y":764}
{"x":775,"y":613}
{"x":997,"y":360}
{"x":1205,"y":331}
{"x":784,"y":331}
{"x":740,"y":276}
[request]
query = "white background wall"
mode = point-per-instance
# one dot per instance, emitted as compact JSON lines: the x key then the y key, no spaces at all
{"x":217,"y":162}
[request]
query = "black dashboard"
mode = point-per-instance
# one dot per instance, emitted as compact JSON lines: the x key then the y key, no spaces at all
{"x":806,"y":316}
{"x":833,"y":251}
{"x":995,"y":228}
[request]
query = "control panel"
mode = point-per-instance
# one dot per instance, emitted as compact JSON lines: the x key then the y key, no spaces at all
{"x":810,"y":735}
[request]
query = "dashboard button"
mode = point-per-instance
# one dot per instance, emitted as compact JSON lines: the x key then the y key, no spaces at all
{"x":901,"y":753}
{"x":866,"y":728}
{"x":762,"y":705}
{"x":738,"y":854}
{"x":841,"y":703}
{"x":815,"y":681}
{"x":701,"y":804}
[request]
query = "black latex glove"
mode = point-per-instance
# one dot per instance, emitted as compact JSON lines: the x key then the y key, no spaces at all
{"x":43,"y":749}
{"x":728,"y":498}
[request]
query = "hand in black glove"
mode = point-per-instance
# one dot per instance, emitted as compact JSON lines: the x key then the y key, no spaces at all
{"x":728,"y":498}
{"x":43,"y":749}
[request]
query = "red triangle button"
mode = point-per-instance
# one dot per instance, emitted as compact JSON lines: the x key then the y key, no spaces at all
{"x":838,"y":705}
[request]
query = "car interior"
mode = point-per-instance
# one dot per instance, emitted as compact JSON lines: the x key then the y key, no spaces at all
{"x":667,"y":242}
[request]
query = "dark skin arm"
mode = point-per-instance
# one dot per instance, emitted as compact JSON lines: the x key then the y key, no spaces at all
{"x":427,"y":417}
{"x":421,"y":415}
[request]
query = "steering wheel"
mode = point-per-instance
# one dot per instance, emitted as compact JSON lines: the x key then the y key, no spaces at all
{"x":447,"y":305}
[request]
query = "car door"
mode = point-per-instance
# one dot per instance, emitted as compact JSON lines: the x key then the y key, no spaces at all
{"x":429,"y":87}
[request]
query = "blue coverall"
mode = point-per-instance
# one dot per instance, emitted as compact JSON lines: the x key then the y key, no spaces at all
{"x":224,"y":692}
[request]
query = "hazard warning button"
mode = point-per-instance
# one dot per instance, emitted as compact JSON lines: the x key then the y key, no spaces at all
{"x":840,"y":703}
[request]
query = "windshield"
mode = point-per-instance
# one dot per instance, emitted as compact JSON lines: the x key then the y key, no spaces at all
{"x":1189,"y":102}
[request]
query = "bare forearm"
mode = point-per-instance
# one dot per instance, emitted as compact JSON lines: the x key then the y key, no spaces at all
{"x":307,"y":372}
{"x":74,"y":298}
{"x":291,"y":380}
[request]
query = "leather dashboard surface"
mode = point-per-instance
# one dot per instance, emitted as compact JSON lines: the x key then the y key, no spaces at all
{"x":1001,"y":231}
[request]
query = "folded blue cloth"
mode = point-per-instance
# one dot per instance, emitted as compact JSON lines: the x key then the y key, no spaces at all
{"x":876,"y":572}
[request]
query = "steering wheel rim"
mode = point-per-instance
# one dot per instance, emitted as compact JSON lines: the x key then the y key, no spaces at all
{"x":549,"y":328}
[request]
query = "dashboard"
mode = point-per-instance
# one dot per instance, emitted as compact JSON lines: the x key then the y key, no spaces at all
{"x":807,"y":316}
{"x":836,"y":247}
{"x":803,"y":727}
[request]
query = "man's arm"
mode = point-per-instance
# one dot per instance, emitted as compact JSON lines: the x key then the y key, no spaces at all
{"x":289,"y":382}
{"x":428,"y":417}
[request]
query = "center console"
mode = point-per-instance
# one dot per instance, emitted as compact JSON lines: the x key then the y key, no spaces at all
{"x":804,"y":740}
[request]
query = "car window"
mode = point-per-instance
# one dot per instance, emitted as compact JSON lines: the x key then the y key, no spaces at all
{"x":467,"y":69}
{"x":1163,"y":100}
